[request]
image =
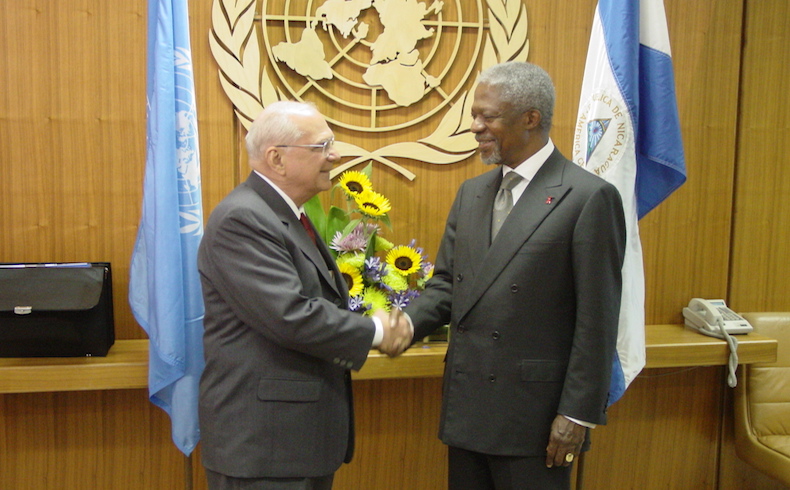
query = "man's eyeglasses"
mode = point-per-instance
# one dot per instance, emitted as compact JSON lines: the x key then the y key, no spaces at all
{"x":325,"y":146}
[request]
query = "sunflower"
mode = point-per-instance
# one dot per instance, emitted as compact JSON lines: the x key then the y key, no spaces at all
{"x":404,"y":259}
{"x":372,"y":204}
{"x":353,"y":278}
{"x":354,"y":183}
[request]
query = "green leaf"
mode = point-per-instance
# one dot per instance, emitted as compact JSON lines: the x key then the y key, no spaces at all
{"x":370,"y":250}
{"x":368,"y":170}
{"x":315,"y":211}
{"x":337,"y":220}
{"x":350,"y":225}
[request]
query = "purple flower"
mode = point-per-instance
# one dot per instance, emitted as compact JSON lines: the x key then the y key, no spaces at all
{"x":356,"y":303}
{"x":374,"y":269}
{"x":401,"y":299}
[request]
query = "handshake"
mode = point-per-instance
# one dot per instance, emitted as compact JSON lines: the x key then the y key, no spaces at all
{"x":397,"y":332}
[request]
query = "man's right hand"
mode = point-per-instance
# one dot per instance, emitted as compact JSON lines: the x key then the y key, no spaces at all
{"x":397,"y":332}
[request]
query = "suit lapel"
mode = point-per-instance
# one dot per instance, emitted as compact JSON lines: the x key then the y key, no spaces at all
{"x":318,"y":253}
{"x":480,"y":213}
{"x":543,"y":194}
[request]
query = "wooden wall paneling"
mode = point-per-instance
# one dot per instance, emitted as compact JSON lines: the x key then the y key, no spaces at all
{"x":30,"y":447}
{"x":397,"y":447}
{"x":761,"y":269}
{"x":75,"y":116}
{"x":72,"y":440}
{"x":663,"y":433}
{"x":72,"y":146}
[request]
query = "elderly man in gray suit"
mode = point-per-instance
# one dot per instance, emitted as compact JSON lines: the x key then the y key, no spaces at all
{"x":276,"y":409}
{"x":532,"y":296}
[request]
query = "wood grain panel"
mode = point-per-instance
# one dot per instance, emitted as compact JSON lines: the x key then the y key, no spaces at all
{"x":397,"y":447}
{"x":760,"y":268}
{"x":70,"y":440}
{"x":662,"y":434}
{"x":72,"y":149}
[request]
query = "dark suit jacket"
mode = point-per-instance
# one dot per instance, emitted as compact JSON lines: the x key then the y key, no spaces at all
{"x":534,"y":315}
{"x":275,"y":396}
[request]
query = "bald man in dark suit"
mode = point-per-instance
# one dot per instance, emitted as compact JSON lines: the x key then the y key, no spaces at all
{"x":275,"y":407}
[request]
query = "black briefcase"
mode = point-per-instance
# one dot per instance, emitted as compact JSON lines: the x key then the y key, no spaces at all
{"x":56,"y":310}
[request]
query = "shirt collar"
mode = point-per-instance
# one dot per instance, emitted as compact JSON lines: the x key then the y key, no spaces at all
{"x":290,"y":202}
{"x":531,"y":165}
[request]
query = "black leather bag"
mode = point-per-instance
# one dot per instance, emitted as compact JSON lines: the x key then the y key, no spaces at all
{"x":56,"y":310}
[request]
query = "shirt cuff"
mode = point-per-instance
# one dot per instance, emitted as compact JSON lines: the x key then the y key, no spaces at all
{"x":379,"y":335}
{"x":589,"y":425}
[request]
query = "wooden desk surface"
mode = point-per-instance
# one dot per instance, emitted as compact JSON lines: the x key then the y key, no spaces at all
{"x":126,"y":365}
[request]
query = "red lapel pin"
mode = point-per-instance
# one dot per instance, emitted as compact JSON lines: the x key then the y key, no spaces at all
{"x":549,"y":199}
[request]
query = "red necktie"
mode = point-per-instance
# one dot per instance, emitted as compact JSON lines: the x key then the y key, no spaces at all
{"x":308,"y":227}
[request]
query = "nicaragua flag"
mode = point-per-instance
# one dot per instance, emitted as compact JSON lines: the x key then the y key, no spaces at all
{"x":628,"y":132}
{"x":164,"y":286}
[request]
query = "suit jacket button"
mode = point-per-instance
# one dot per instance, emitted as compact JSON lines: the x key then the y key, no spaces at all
{"x":495,"y":335}
{"x":514,"y":288}
{"x":336,"y":360}
{"x":461,"y":329}
{"x":492,"y":378}
{"x":459,"y":277}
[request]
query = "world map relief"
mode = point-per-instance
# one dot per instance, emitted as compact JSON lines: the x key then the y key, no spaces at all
{"x":395,"y":63}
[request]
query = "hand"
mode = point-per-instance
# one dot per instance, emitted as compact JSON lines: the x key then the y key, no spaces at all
{"x":566,"y":438}
{"x":397,"y":332}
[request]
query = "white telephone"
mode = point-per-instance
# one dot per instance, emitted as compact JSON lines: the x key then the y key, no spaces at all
{"x":710,"y":316}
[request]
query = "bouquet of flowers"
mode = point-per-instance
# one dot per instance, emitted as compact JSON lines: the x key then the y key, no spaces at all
{"x":379,"y":274}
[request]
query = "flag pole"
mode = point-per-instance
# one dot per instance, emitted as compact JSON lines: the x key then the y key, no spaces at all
{"x":188,"y":481}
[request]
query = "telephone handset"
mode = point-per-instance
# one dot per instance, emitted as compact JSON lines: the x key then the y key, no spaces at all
{"x":712,"y":317}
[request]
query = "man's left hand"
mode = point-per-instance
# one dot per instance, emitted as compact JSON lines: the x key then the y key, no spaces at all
{"x":565,"y":442}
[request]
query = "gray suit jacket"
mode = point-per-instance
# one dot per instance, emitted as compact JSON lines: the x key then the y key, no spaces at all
{"x":275,"y":396}
{"x":534,"y":315}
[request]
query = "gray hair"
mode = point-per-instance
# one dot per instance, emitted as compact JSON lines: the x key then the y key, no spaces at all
{"x":523,"y":86}
{"x":274,"y":126}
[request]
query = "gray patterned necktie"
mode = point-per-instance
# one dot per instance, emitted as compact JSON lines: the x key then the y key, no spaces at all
{"x":503,"y":202}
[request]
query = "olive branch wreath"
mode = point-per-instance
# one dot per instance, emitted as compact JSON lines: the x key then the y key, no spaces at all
{"x":235,"y":47}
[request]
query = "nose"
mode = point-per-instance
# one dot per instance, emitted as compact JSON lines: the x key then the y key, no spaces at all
{"x":477,"y":125}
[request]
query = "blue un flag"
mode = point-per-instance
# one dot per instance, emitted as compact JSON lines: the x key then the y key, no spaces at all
{"x":164,"y":286}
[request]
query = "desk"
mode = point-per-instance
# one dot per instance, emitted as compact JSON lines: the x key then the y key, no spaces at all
{"x":126,"y":365}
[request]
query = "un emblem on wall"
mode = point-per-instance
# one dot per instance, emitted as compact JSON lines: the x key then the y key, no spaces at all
{"x":371,"y":66}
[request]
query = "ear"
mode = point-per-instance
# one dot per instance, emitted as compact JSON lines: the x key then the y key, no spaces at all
{"x":273,"y":159}
{"x":532,"y":119}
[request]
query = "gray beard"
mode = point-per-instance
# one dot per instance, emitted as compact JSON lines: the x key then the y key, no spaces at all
{"x":493,"y":158}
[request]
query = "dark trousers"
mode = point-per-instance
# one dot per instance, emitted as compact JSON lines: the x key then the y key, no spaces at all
{"x":218,"y":481}
{"x":469,"y":470}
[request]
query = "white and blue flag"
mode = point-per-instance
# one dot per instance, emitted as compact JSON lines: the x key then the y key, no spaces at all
{"x":164,"y":286}
{"x":628,"y":132}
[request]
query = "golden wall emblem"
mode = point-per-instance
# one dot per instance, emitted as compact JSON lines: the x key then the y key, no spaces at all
{"x":371,"y":66}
